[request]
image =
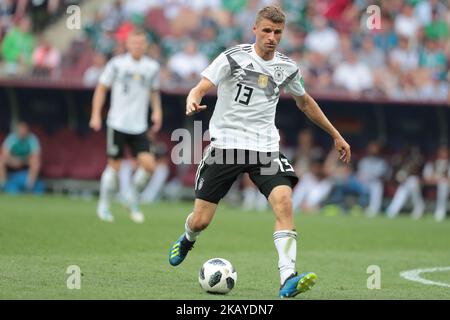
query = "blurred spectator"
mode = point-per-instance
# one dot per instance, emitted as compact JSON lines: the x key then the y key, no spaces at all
{"x":432,"y":57}
{"x":406,"y":89}
{"x":386,"y":79}
{"x":245,"y":19}
{"x":17,"y":48}
{"x":406,"y":23}
{"x":407,"y":166}
{"x":404,"y":56}
{"x":373,"y":171}
{"x":437,"y":173}
{"x":322,"y":39}
{"x":92,"y":74}
{"x":370,"y":55}
{"x":188,"y":64}
{"x":385,"y":38}
{"x":20,"y":161}
{"x":208,"y":44}
{"x":318,"y":35}
{"x":319,"y":72}
{"x":40,"y":11}
{"x":174,"y":42}
{"x":46,"y":59}
{"x":7,"y":10}
{"x":431,"y":87}
{"x":352,"y":75}
{"x":106,"y":41}
{"x":230,"y":34}
{"x":114,"y":13}
{"x":424,"y":10}
{"x":437,"y":28}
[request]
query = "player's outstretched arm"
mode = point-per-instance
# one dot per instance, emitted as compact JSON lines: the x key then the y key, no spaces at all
{"x":97,"y":104}
{"x":157,"y":113}
{"x":312,"y":110}
{"x":196,"y":95}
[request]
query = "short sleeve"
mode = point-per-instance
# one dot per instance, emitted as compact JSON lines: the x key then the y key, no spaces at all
{"x":108,"y":74}
{"x":296,"y":86}
{"x":155,"y":82}
{"x":217,"y":70}
{"x":34,"y":144}
{"x":9,"y":142}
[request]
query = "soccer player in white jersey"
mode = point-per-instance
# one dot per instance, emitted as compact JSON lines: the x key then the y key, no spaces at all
{"x":249,"y":80}
{"x":134,"y":82}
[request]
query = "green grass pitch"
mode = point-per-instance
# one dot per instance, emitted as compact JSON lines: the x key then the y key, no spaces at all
{"x":41,"y":236}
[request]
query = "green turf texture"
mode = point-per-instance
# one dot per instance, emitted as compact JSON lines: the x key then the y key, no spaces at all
{"x":41,"y":236}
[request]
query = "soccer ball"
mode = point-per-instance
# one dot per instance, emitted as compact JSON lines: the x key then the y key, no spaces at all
{"x":217,"y":275}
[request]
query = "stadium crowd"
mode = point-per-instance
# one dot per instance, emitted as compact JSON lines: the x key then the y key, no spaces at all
{"x":406,"y":58}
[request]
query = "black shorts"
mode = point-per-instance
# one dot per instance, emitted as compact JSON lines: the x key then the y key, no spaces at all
{"x":116,"y":142}
{"x":219,"y":169}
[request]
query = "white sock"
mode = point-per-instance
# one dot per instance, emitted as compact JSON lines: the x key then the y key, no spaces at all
{"x":125,"y":174}
{"x":441,"y":200}
{"x":286,"y":244}
{"x":190,"y":235}
{"x":108,"y":186}
{"x":159,"y":177}
{"x":138,"y":183}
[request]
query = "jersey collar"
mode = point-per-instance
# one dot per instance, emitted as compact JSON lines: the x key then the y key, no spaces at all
{"x":261,"y":59}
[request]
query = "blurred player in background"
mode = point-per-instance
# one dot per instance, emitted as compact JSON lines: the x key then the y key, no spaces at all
{"x":134,"y":82}
{"x":250,"y":78}
{"x":408,"y":168}
{"x":373,"y":169}
{"x":437,"y":173}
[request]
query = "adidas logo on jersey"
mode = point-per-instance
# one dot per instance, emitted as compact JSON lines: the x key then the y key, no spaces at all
{"x":250,"y":67}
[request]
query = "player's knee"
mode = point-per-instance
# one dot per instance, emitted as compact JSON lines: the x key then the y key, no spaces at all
{"x":282,"y":202}
{"x":148,"y":163}
{"x":199,"y":223}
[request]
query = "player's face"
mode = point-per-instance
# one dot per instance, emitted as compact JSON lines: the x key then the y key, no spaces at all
{"x":137,"y":45}
{"x":268,"y":35}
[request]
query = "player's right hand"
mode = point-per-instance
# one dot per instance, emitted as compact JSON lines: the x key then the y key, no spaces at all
{"x":95,"y":123}
{"x":193,"y":108}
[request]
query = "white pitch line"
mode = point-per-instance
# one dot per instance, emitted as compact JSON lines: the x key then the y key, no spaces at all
{"x":414,"y":275}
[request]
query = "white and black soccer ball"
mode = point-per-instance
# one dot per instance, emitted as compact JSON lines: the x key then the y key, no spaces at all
{"x":217,"y":275}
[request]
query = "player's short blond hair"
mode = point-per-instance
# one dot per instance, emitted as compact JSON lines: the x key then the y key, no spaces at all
{"x":272,"y":13}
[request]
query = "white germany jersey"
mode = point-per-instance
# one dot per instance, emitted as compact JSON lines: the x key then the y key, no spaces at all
{"x":130,"y":81}
{"x":247,"y":95}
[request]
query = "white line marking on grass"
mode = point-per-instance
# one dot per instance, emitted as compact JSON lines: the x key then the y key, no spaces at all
{"x":414,"y":275}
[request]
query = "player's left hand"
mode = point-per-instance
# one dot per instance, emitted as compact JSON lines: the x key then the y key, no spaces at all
{"x":157,"y":121}
{"x":343,"y":148}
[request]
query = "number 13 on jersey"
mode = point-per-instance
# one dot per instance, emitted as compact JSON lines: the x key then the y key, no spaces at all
{"x":246,"y":95}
